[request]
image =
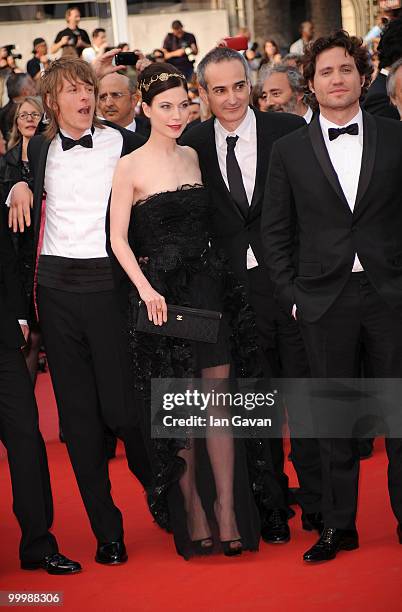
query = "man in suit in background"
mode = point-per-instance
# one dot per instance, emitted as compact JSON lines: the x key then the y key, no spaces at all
{"x":339,"y":181}
{"x":79,"y":288}
{"x":394,"y":85}
{"x":19,"y":427}
{"x":234,"y":150}
{"x":377,"y":101}
{"x":118,"y":98}
{"x":284,"y":91}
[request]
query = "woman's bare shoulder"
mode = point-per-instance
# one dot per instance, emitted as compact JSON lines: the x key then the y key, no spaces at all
{"x":137,"y":159}
{"x":190,"y":152}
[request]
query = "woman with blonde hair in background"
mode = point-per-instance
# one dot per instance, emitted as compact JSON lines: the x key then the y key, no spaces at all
{"x":14,"y":167}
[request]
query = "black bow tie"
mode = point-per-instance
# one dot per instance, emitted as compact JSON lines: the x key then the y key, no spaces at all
{"x":352,"y":129}
{"x":69,"y":143}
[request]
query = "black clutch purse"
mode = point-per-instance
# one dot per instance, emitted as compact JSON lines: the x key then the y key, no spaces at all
{"x":183,"y":322}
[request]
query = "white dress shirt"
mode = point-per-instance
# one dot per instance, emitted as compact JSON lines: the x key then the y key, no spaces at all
{"x":89,"y":54}
{"x":297,"y":47}
{"x":246,"y":155}
{"x":345,"y":153}
{"x":308,"y":115}
{"x":131,"y":126}
{"x":77,"y":185}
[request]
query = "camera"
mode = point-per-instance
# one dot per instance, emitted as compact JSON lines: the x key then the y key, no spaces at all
{"x":9,"y":52}
{"x":190,"y":54}
{"x":126,"y":58}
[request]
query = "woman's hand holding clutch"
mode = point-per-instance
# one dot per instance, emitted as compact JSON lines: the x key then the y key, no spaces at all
{"x":155,"y":303}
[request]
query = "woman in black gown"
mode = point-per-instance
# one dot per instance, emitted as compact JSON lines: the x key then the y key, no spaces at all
{"x":201,"y":489}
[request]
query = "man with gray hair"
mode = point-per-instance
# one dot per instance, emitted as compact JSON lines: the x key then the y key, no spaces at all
{"x":284,"y":90}
{"x":234,"y":148}
{"x":394,"y":85}
{"x":117,"y":101}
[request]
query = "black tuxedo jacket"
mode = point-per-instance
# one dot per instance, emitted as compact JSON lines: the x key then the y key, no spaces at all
{"x":377,"y":101}
{"x":37,"y":153}
{"x":12,"y":296}
{"x":304,"y":195}
{"x":231,"y":230}
{"x":143,"y":127}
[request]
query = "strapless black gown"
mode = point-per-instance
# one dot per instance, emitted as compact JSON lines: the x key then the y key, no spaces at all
{"x":170,"y":229}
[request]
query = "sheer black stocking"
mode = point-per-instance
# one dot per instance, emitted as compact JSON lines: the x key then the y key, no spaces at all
{"x":221,"y":454}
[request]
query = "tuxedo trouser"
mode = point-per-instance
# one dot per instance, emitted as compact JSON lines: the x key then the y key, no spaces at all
{"x":359,"y":318}
{"x":87,"y":351}
{"x":19,"y":431}
{"x":285,"y":355}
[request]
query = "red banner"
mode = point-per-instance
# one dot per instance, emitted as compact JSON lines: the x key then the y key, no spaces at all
{"x":390,"y":4}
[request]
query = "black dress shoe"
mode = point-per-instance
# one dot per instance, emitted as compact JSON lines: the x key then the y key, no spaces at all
{"x":399,"y":532}
{"x":275,"y":529}
{"x":55,"y":564}
{"x":311,"y":521}
{"x":330,"y":543}
{"x":111,"y":553}
{"x":366,"y":447}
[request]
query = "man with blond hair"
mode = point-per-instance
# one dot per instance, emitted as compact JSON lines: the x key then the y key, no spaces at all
{"x":72,"y":164}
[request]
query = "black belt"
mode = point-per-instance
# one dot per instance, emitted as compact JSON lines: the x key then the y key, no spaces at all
{"x":75,"y":275}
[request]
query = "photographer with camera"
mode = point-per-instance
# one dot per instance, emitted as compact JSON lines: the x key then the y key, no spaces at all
{"x":40,"y":60}
{"x":180,"y":49}
{"x":7,"y":66}
{"x":72,"y":35}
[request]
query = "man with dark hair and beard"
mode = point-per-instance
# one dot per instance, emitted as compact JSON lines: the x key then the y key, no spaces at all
{"x":339,"y":182}
{"x":284,"y":90}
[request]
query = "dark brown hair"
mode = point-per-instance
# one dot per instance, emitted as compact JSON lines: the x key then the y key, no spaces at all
{"x":352,"y":45}
{"x":159,"y":77}
{"x":51,"y":83}
{"x":273,"y":43}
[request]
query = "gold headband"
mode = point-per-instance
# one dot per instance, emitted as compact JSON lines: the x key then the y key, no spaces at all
{"x":163,"y":76}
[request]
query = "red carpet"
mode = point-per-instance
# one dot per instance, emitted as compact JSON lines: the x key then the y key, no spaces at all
{"x":155,"y":578}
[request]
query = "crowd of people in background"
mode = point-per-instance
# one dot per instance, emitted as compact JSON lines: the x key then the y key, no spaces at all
{"x":276,"y":72}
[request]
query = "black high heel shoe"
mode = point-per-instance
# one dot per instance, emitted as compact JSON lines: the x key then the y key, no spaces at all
{"x":228,"y":550}
{"x":201,"y":548}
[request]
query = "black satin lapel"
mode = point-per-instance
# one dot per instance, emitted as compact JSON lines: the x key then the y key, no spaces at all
{"x":125,"y":148}
{"x":368,"y":156}
{"x":321,"y":153}
{"x":214,"y":171}
{"x":39,"y":181}
{"x":262,"y":165}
